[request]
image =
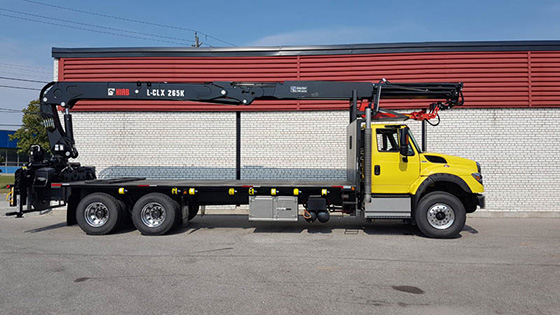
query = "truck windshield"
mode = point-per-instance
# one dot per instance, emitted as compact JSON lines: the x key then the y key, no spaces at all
{"x":414,"y":141}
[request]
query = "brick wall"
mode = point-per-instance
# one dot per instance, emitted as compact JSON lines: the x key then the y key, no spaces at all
{"x":288,"y":145}
{"x":516,"y":147}
{"x":157,"y":145}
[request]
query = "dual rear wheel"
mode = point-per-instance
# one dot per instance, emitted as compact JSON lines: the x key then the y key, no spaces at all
{"x":99,"y":213}
{"x":152,"y":214}
{"x":155,"y":214}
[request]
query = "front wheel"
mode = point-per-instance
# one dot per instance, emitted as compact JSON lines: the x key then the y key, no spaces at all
{"x":155,"y":214}
{"x":440,"y":215}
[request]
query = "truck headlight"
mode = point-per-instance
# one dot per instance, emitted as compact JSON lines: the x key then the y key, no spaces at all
{"x":478,"y":177}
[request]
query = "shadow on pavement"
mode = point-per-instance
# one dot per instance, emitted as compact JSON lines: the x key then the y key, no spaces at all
{"x":47,"y":228}
{"x":350,"y":226}
{"x":470,"y":229}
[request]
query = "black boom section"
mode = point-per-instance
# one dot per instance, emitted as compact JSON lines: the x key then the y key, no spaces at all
{"x":66,"y":94}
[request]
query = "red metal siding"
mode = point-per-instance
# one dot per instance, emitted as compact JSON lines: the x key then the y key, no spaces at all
{"x":544,"y":73}
{"x":492,"y":79}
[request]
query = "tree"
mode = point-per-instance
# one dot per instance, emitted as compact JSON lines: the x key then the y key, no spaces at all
{"x":32,"y":131}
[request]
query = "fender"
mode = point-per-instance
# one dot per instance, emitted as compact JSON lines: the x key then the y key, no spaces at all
{"x":440,"y":177}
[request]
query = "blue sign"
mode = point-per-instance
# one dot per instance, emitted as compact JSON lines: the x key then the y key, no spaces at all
{"x":5,"y":141}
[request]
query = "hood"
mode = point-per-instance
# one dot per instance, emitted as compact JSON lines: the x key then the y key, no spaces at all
{"x":432,"y":162}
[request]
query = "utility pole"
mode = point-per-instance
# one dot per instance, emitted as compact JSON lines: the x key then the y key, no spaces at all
{"x":197,"y":42}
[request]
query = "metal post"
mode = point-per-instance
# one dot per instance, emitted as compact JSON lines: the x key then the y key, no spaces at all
{"x":377,"y":99}
{"x":238,"y":145}
{"x":354,"y":106}
{"x":424,"y":136}
{"x":367,"y":157}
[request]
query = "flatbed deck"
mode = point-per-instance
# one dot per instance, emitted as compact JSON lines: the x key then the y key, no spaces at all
{"x":215,"y":192}
{"x":142,"y":182}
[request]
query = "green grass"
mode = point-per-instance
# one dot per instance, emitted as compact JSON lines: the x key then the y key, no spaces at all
{"x":5,"y":180}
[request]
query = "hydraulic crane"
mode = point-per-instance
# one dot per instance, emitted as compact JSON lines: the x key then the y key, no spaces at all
{"x":66,"y":94}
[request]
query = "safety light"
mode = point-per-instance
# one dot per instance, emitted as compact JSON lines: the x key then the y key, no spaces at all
{"x":478,"y":177}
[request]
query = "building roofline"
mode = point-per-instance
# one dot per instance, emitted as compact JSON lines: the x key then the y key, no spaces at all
{"x":385,"y":48}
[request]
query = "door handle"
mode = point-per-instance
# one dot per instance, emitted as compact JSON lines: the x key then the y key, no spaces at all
{"x":377,"y":170}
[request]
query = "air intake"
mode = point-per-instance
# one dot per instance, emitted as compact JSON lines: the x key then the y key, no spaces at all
{"x":435,"y":159}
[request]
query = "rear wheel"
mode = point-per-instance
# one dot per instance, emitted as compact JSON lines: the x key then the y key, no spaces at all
{"x":155,"y":214}
{"x":440,"y":215}
{"x":98,"y":213}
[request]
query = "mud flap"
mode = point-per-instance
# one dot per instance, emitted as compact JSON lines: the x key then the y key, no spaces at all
{"x":184,"y":216}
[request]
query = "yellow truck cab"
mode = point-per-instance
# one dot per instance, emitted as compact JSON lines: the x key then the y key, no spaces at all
{"x":434,"y":190}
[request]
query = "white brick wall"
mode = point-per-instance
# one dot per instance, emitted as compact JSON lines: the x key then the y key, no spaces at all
{"x":516,"y":147}
{"x":157,"y":145}
{"x":288,"y":145}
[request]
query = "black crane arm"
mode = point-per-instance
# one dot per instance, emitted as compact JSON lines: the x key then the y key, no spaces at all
{"x":66,"y":94}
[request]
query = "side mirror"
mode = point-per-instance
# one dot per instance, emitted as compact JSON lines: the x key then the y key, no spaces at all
{"x":403,"y":141}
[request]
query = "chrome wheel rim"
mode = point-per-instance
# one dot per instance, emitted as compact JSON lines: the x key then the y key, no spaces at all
{"x":441,"y":216}
{"x":96,"y":214}
{"x":153,"y":214}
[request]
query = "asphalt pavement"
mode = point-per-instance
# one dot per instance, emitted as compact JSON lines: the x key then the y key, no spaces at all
{"x":223,"y":264}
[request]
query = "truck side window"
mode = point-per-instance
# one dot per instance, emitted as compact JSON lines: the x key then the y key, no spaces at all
{"x":387,"y":140}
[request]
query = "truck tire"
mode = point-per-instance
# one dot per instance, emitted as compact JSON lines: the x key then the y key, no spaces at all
{"x":155,"y":214}
{"x":126,"y":220}
{"x":440,"y":215}
{"x":98,"y":214}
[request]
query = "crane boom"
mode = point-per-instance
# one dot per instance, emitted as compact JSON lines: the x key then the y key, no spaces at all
{"x":67,"y":93}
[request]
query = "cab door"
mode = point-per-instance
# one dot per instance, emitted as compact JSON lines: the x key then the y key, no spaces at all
{"x":391,"y":173}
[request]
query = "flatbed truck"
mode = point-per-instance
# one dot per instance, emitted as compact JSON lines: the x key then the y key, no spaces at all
{"x":388,"y":175}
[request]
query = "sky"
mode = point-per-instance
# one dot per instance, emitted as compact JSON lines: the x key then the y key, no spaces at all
{"x":30,"y":28}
